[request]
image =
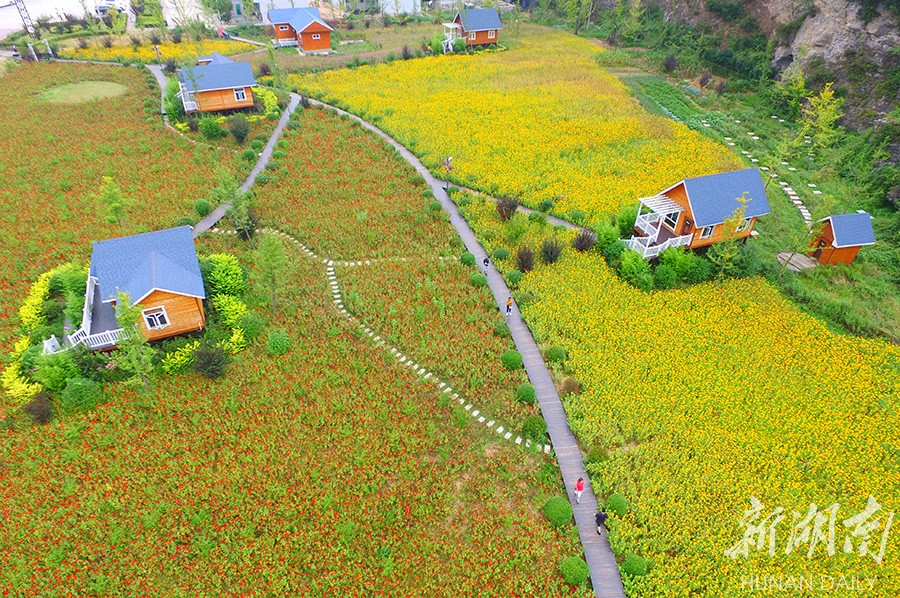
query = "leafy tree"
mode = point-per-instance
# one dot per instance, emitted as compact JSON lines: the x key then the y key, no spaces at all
{"x":272,"y":263}
{"x":220,"y":8}
{"x":820,"y":116}
{"x":278,"y":79}
{"x":133,"y":353}
{"x":578,"y":12}
{"x":113,"y":201}
{"x":801,"y":241}
{"x":173,"y":104}
{"x":725,"y":252}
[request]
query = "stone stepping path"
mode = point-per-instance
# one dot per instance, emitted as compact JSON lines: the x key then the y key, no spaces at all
{"x":337,"y":297}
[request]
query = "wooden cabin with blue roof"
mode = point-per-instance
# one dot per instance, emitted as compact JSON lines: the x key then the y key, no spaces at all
{"x":692,"y":213}
{"x":216,"y":83}
{"x":842,"y":237}
{"x":478,"y":26}
{"x":159,"y":271}
{"x":301,"y":27}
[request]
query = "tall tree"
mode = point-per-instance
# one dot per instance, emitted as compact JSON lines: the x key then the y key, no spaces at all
{"x":724,"y":253}
{"x":133,"y":353}
{"x":272,"y":263}
{"x":820,"y":116}
{"x":113,"y":201}
{"x":578,"y":12}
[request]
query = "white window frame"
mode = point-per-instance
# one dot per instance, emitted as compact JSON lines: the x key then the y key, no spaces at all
{"x":283,"y":27}
{"x":472,"y":36}
{"x":671,"y":225}
{"x":240,"y":95}
{"x":744,"y":225}
{"x":150,"y":317}
{"x":316,"y":36}
{"x":707,"y":231}
{"x":492,"y":34}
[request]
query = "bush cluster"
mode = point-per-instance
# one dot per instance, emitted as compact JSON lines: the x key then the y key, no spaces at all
{"x":278,"y":343}
{"x":575,"y":571}
{"x":558,"y":511}
{"x":511,"y":360}
{"x":526,"y":394}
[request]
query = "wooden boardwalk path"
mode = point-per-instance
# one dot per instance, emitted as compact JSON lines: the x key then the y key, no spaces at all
{"x":599,"y":556}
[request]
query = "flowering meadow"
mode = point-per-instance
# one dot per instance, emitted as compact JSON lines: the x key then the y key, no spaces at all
{"x":186,"y":50}
{"x":705,"y":397}
{"x":344,"y":193}
{"x":541,"y":121}
{"x":53,"y":157}
{"x":430,"y":310}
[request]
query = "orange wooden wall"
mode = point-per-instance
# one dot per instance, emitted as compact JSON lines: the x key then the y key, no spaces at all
{"x":481,"y":37}
{"x":222,"y":99}
{"x":308,"y":44}
{"x":287,"y":34}
{"x":185,"y":314}
{"x":831,"y":255}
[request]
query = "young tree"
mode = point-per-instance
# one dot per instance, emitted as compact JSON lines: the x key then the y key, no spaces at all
{"x":272,"y":263}
{"x":133,"y":353}
{"x":278,"y":80}
{"x":113,"y":201}
{"x":725,"y":252}
{"x":578,"y":12}
{"x":820,"y":116}
{"x":801,"y":241}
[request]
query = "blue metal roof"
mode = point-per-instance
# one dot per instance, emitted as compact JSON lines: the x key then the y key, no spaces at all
{"x":298,"y":18}
{"x":713,"y":198}
{"x":215,"y":58}
{"x":851,"y":230}
{"x":165,"y":260}
{"x":217,"y":76}
{"x":480,"y":19}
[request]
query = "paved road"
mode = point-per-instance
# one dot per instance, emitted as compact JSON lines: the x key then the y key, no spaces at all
{"x":604,"y":571}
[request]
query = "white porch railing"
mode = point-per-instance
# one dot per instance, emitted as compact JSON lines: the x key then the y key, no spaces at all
{"x":289,"y":41}
{"x":189,"y":106}
{"x":649,"y":225}
{"x":107,"y":338}
{"x":647,"y":249}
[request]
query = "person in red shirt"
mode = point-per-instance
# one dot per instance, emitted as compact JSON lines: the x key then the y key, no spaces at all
{"x":579,"y":488}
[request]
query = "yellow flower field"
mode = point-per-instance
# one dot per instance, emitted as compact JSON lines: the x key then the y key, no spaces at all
{"x":707,"y":397}
{"x":186,"y":50}
{"x":540,"y":121}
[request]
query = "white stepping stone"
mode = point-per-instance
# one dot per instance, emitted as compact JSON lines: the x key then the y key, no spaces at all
{"x":518,"y":440}
{"x":480,"y":420}
{"x":745,"y":152}
{"x":469,"y":406}
{"x":475,"y":413}
{"x":728,"y":139}
{"x":500,"y":430}
{"x":490,"y":424}
{"x":731,"y":144}
{"x":754,"y":160}
{"x":817,"y":192}
{"x":811,"y":185}
{"x":547,"y":449}
{"x":792,"y":169}
{"x":507,"y":436}
{"x":755,"y":138}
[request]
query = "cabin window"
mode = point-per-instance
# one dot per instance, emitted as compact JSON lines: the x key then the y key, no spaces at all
{"x":316,"y":36}
{"x":240,"y":95}
{"x":472,"y":36}
{"x":492,"y":34}
{"x":707,"y":231}
{"x":156,"y":318}
{"x":283,"y":28}
{"x":671,"y":220}
{"x":743,"y":225}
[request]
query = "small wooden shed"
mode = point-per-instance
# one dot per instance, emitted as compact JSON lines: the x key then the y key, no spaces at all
{"x":302,"y":27}
{"x":842,"y":237}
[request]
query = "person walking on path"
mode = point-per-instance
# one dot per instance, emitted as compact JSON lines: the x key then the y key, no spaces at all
{"x":486,"y":262}
{"x":579,"y":488}
{"x":509,"y":306}
{"x":601,"y":518}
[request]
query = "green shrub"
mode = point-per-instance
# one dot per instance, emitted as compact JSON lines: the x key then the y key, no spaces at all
{"x":596,"y":455}
{"x":664,"y":277}
{"x":209,"y":128}
{"x":210,"y":360}
{"x":700,"y":269}
{"x":80,"y":394}
{"x":230,"y":309}
{"x":239,"y":127}
{"x":524,"y":258}
{"x":279,"y":154}
{"x":546,"y":205}
{"x":558,"y":511}
{"x":253,"y":325}
{"x":635,"y":565}
{"x":427,"y":193}
{"x":678,"y":260}
{"x":180,"y":359}
{"x":202,"y":207}
{"x":513,"y":277}
{"x":501,"y":254}
{"x":249,"y":155}
{"x":574,"y":571}
{"x":226,"y":277}
{"x":551,"y":249}
{"x":626,"y":218}
{"x":556,"y":354}
{"x":534,"y":428}
{"x":257,"y":145}
{"x":616,"y":504}
{"x":467,"y":259}
{"x":606,"y":233}
{"x":278,"y":342}
{"x":635,"y":269}
{"x":578,"y":217}
{"x":435,"y":206}
{"x":459,"y":45}
{"x":501,"y":329}
{"x":526,"y":394}
{"x":263,"y":178}
{"x":478,"y":279}
{"x":613,"y":251}
{"x":511,"y":360}
{"x":54,"y":370}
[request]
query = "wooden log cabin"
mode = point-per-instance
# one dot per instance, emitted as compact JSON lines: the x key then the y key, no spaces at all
{"x":692,"y":213}
{"x":478,"y":26}
{"x":159,"y":271}
{"x":842,"y":237}
{"x":216,"y":83}
{"x":302,"y":27}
